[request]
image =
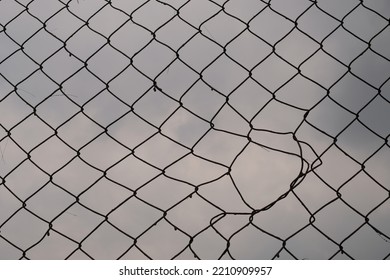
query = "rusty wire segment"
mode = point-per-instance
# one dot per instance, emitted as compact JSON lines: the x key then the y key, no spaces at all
{"x":249,"y":73}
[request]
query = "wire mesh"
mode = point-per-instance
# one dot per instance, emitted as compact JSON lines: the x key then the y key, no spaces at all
{"x":194,"y":129}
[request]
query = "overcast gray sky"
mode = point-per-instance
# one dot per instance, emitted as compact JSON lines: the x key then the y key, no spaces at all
{"x":222,"y":133}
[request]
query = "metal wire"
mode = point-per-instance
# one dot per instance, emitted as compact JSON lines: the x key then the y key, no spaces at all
{"x":108,"y":39}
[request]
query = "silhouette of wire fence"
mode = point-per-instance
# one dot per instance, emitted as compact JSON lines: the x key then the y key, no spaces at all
{"x":157,"y":22}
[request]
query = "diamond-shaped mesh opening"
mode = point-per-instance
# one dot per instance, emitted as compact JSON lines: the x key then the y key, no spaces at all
{"x":14,"y":230}
{"x":162,"y":240}
{"x":57,"y":24}
{"x":301,"y":93}
{"x":107,"y":63}
{"x":160,"y":151}
{"x":329,"y":73}
{"x":158,"y":15}
{"x":85,"y":43}
{"x":132,"y":173}
{"x":110,"y":152}
{"x":130,"y":47}
{"x":156,"y":115}
{"x":379,"y":67}
{"x":83,"y":86}
{"x":270,"y":26}
{"x":364,"y":23}
{"x":201,"y":48}
{"x":8,"y":10}
{"x":105,"y":109}
{"x":31,"y":132}
{"x":197,"y":12}
{"x":315,"y":242}
{"x":224,"y":75}
{"x":177,"y":79}
{"x":50,"y":201}
{"x":359,"y":142}
{"x":42,"y":45}
{"x":352,"y":93}
{"x":208,"y":245}
{"x":222,"y":28}
{"x":195,"y":207}
{"x":56,"y":110}
{"x":363,"y":193}
{"x":69,"y":66}
{"x":296,"y":47}
{"x":43,"y":10}
{"x":290,"y":222}
{"x":229,"y":121}
{"x":194,"y":129}
{"x":13,"y":110}
{"x":338,"y":227}
{"x":114,"y":245}
{"x":107,"y":20}
{"x":130,"y":86}
{"x":312,"y":28}
{"x":22,"y":27}
{"x":185,"y":128}
{"x":76,"y":176}
{"x":79,"y":131}
{"x":343,"y":45}
{"x":153,"y":60}
{"x":175,"y":33}
{"x":263,"y":247}
{"x":15,"y":181}
{"x":140,"y":130}
{"x":77,"y":222}
{"x":326,"y":113}
{"x":53,"y":247}
{"x":273,"y":73}
{"x":52,"y":155}
{"x":195,"y":170}
{"x":330,"y":172}
{"x":134,"y":217}
{"x":203,"y":101}
{"x":111,"y":192}
{"x":220,"y":147}
{"x":164,"y":192}
{"x":246,"y":44}
{"x":16,"y":74}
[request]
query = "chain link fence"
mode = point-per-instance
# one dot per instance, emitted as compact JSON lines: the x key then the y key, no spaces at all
{"x":191,"y":129}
